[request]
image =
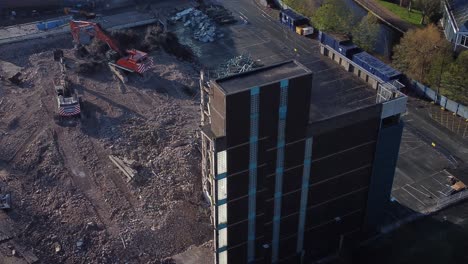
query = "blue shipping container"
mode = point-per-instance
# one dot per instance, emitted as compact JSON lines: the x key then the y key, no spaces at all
{"x":291,"y":19}
{"x":348,"y":49}
{"x":340,"y":43}
{"x":51,"y":24}
{"x":328,"y":40}
{"x":375,"y":66}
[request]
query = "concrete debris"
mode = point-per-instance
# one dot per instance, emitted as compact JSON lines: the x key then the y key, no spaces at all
{"x":57,"y":247}
{"x":203,"y":27}
{"x":5,"y":201}
{"x":183,"y":13}
{"x":195,"y":254}
{"x":118,"y":74}
{"x":123,"y":166}
{"x":123,"y":242}
{"x":79,"y":243}
{"x":4,"y":237}
{"x":66,"y":186}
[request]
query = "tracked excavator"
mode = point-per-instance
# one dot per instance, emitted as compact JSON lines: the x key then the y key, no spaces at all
{"x":69,"y":104}
{"x":131,"y":60}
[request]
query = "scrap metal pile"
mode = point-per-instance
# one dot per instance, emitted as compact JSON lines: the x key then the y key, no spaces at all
{"x":239,"y":64}
{"x":203,"y":27}
{"x":203,"y":22}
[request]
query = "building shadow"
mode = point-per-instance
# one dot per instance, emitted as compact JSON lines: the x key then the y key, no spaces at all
{"x":410,"y":237}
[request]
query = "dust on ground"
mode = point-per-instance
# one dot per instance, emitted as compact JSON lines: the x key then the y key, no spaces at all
{"x":70,"y":203}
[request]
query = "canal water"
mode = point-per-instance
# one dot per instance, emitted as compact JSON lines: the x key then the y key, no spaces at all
{"x":387,"y":36}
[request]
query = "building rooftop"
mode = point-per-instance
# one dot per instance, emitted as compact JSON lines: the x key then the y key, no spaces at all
{"x":459,"y":10}
{"x":335,"y":92}
{"x":261,"y":76}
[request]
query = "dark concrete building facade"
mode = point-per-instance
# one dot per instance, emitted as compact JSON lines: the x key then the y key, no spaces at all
{"x":287,"y":185}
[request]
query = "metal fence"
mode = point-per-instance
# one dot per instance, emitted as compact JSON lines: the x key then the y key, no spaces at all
{"x":441,"y":100}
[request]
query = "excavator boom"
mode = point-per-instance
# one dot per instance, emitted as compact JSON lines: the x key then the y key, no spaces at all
{"x":94,"y":30}
{"x":130,"y":60}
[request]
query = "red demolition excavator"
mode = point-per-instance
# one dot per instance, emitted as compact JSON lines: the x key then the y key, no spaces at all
{"x":129,"y":60}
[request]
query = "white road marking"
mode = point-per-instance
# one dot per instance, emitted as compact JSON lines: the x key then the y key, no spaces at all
{"x":425,"y":194}
{"x":428,"y":191}
{"x":403,"y":188}
{"x":411,"y":149}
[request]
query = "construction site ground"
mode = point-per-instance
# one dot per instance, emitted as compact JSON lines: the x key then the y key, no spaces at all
{"x":70,"y":203}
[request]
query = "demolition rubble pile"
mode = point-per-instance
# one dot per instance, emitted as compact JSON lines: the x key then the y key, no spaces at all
{"x":120,"y":185}
{"x":203,"y":27}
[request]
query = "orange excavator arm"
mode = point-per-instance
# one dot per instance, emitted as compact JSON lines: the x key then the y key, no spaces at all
{"x":95,"y":30}
{"x":130,"y":60}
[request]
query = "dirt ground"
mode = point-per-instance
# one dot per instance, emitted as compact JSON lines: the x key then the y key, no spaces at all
{"x":70,"y":203}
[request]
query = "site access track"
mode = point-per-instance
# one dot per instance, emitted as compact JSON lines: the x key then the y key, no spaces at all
{"x":385,"y":15}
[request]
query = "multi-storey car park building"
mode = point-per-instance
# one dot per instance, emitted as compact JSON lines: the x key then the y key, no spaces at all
{"x":290,"y":177}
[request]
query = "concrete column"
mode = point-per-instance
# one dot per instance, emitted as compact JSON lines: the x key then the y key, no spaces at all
{"x":363,"y":76}
{"x":322,"y":50}
{"x":356,"y":71}
{"x":373,"y":82}
{"x":345,"y":65}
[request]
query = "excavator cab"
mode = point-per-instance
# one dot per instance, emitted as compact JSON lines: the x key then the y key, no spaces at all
{"x":137,"y":61}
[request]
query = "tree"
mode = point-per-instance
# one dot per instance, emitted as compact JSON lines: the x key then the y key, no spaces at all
{"x":418,"y":50}
{"x":454,"y":84}
{"x":301,"y":6}
{"x":334,"y":16}
{"x":366,"y":33}
{"x":429,"y":8}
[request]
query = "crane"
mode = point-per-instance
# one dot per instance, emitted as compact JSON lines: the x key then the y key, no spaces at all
{"x":131,"y":60}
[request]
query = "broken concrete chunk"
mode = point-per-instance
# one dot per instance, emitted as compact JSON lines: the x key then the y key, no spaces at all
{"x":79,"y":243}
{"x":123,"y":167}
{"x":57,"y":247}
{"x":183,"y":13}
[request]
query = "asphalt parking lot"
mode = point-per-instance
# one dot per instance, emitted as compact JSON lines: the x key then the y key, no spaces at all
{"x":420,"y":178}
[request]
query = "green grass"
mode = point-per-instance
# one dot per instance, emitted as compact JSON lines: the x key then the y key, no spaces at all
{"x":414,"y":17}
